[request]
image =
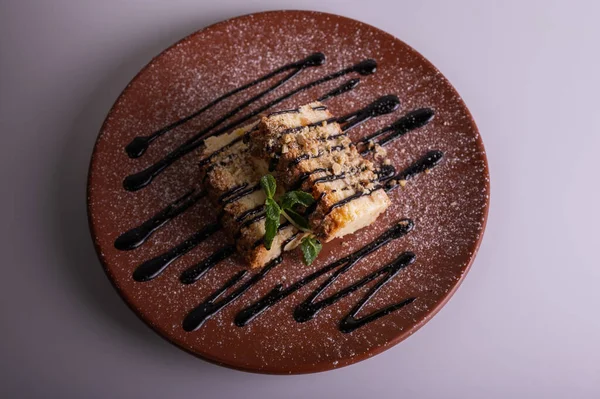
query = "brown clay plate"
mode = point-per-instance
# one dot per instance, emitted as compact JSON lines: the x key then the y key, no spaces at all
{"x":448,"y":205}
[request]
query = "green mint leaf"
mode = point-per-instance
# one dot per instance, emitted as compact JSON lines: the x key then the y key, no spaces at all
{"x":304,"y":198}
{"x":297,"y":219}
{"x":293,"y":198}
{"x":310,"y":249}
{"x":269,"y":185}
{"x":272,"y":209}
{"x":272,"y":213}
{"x":271,"y":226}
{"x":288,"y":200}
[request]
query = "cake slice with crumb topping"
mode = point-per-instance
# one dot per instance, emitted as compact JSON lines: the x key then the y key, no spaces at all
{"x":231,"y":177}
{"x":306,"y":149}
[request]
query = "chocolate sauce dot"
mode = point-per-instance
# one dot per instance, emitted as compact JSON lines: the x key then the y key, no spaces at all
{"x":366,"y":67}
{"x":137,"y":147}
{"x":385,"y":105}
{"x":139,"y":180}
{"x":315,"y":59}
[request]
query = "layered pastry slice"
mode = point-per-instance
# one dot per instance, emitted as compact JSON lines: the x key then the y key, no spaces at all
{"x":307,"y":150}
{"x":231,"y":176}
{"x":304,"y":149}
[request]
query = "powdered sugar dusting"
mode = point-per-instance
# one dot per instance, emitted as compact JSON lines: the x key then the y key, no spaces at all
{"x":448,"y":205}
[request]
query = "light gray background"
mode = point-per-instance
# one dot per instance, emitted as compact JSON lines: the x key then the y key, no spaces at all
{"x":525,"y":323}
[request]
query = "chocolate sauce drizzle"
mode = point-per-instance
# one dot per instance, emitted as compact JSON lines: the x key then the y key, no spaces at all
{"x":135,"y":237}
{"x":140,"y":144}
{"x":297,"y":110}
{"x":194,"y":273}
{"x":220,"y":150}
{"x":198,"y":316}
{"x":285,"y":111}
{"x":240,"y":194}
{"x":304,"y":176}
{"x":411,"y":121}
{"x":308,"y":309}
{"x":352,"y":198}
{"x":141,"y":179}
{"x":259,"y":215}
{"x":250,"y":212}
{"x":381,"y":106}
{"x":343,"y":175}
{"x":407,"y":123}
{"x":154,"y":267}
{"x":311,"y":306}
{"x":278,"y":293}
{"x":351,"y":323}
{"x":305,"y":157}
{"x":428,"y":161}
{"x":385,"y":173}
{"x":346,"y":87}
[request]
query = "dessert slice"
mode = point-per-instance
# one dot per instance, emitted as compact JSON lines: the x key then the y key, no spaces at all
{"x":308,"y":150}
{"x":305,"y":149}
{"x":231,"y":177}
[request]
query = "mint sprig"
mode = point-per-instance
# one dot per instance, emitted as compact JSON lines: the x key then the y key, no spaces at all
{"x":272,"y":221}
{"x":269,"y":185}
{"x":310,"y":245}
{"x":293,"y":198}
{"x":310,"y":248}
